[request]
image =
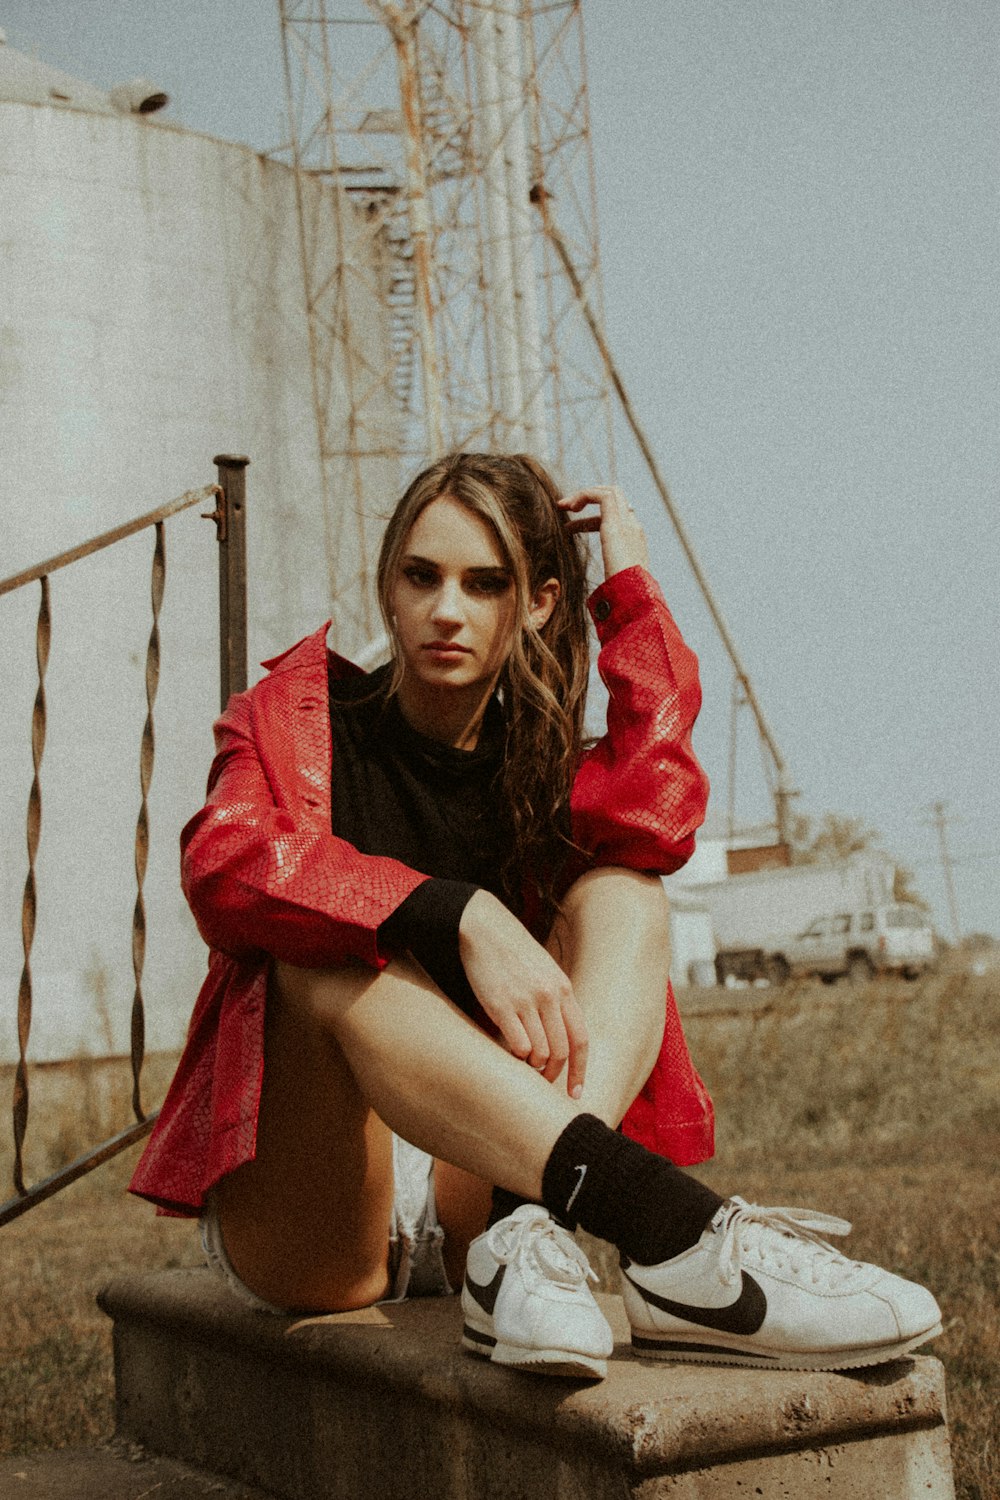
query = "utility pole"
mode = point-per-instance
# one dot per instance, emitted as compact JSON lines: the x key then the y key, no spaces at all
{"x":941,"y":823}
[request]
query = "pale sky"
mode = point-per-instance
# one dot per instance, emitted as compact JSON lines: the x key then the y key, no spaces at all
{"x":798,"y":210}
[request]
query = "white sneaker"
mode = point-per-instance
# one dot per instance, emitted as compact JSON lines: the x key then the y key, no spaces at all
{"x":526,"y":1302}
{"x":762,"y":1288}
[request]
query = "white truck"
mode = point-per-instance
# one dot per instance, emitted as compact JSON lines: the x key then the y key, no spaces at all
{"x":826,"y":919}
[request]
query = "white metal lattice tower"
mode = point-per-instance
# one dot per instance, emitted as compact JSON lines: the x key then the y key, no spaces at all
{"x":440,"y":316}
{"x":453,"y":281}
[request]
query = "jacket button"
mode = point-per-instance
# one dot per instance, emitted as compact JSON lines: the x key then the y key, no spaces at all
{"x":601,"y":610}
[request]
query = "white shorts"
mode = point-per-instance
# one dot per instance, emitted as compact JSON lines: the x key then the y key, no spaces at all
{"x":416,"y":1263}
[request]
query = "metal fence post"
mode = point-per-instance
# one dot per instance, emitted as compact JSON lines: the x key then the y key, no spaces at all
{"x":232,"y":536}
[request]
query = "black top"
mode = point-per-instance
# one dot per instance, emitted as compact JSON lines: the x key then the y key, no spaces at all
{"x":398,"y":793}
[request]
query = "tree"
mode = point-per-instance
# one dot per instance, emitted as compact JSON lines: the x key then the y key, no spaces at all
{"x":979,"y":942}
{"x":903,"y":888}
{"x":836,"y":837}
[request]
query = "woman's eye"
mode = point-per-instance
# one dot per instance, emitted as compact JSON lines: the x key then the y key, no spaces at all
{"x":422,"y":578}
{"x":491,"y":583}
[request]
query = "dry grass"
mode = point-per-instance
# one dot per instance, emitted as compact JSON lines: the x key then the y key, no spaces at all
{"x":56,"y":1386}
{"x":881,"y":1105}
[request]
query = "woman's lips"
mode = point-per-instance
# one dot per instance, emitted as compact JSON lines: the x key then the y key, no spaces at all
{"x":446,"y":650}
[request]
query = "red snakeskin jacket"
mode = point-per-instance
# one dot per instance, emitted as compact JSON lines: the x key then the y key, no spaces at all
{"x":265,"y":876}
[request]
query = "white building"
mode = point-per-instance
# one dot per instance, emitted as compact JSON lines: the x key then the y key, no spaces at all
{"x":152,"y":316}
{"x":692,"y":937}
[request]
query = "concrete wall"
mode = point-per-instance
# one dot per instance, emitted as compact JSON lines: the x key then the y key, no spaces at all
{"x":153,"y":316}
{"x":383,"y":1404}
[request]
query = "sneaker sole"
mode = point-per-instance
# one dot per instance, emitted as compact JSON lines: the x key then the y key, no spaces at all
{"x":541,"y":1361}
{"x":478,"y":1342}
{"x":695,"y":1350}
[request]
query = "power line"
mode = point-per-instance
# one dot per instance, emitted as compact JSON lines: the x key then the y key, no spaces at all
{"x":971,"y":857}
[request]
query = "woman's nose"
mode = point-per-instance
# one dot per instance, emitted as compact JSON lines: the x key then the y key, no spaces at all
{"x":448,"y":604}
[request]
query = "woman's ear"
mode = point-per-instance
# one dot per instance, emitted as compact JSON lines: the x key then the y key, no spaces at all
{"x":543,"y":602}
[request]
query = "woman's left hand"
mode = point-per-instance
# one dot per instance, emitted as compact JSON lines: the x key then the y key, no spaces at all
{"x":623,"y":541}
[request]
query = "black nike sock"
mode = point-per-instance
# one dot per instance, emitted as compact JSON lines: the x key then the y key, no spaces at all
{"x":504,"y":1204}
{"x":617,"y":1190}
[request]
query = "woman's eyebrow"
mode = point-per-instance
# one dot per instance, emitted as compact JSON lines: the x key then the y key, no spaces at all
{"x":430,"y":562}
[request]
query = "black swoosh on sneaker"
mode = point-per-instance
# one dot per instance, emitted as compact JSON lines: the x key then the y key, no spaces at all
{"x":486,"y":1294}
{"x":746,"y":1315}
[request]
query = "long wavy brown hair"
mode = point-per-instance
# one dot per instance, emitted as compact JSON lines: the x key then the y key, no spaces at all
{"x":543,"y":684}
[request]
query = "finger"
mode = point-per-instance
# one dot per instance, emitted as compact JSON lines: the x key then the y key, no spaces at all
{"x":516,"y":1038}
{"x":558,"y":1041}
{"x":614,"y":509}
{"x":579,"y":1046}
{"x":615,"y":506}
{"x":581,"y":498}
{"x":538,"y":1056}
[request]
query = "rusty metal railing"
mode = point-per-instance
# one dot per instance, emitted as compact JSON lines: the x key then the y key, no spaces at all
{"x":229,"y":515}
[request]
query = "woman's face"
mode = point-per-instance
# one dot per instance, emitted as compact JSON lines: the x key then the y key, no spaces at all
{"x":453,"y":600}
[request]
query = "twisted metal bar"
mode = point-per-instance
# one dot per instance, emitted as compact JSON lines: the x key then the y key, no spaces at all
{"x":146,"y":759}
{"x":43,"y":639}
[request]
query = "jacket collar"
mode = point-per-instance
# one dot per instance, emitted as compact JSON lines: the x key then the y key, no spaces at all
{"x":307,"y":653}
{"x":293,"y":723}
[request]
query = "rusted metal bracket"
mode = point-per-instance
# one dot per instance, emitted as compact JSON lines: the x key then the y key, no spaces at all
{"x":218,"y":515}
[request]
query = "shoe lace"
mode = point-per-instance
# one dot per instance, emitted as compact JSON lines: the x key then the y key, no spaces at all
{"x":786,"y":1238}
{"x":531,"y":1235}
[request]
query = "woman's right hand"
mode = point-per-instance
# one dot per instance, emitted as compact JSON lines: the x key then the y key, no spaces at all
{"x":523,"y":991}
{"x":623,"y":540}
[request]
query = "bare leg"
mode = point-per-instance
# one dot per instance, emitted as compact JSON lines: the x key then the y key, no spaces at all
{"x":433,"y":1076}
{"x":613,"y":940}
{"x":463,"y":1206}
{"x":306,"y":1224}
{"x":352,"y":1055}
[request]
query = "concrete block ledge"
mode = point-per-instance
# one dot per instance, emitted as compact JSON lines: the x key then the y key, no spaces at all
{"x":383,"y":1403}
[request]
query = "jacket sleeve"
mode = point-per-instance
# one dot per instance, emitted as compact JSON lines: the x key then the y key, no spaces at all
{"x":640,"y":794}
{"x":259,"y":878}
